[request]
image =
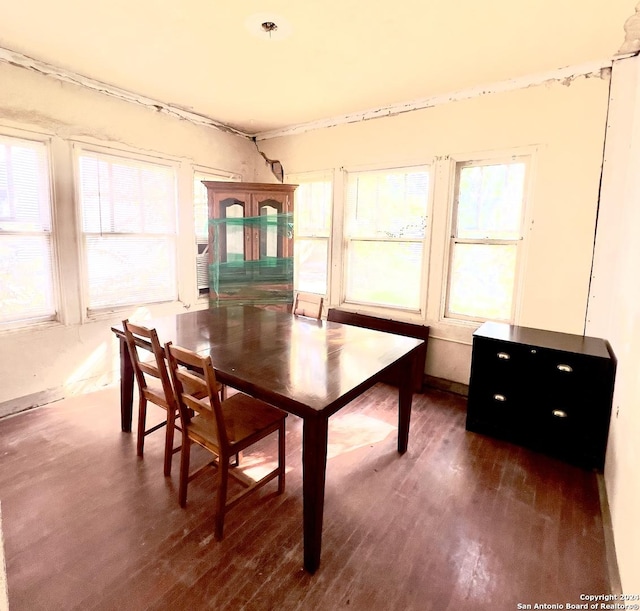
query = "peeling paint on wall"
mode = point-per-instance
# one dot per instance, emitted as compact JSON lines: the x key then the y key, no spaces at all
{"x":632,"y":34}
{"x":23,"y":61}
{"x":564,"y":76}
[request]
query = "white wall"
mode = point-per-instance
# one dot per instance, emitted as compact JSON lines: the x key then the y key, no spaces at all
{"x":73,"y":357}
{"x":614,"y":311}
{"x":565,"y":123}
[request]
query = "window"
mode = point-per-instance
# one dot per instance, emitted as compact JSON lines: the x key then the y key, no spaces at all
{"x":312,"y":232}
{"x":129,"y":230}
{"x":201,"y":219}
{"x":487,"y":233}
{"x":385,"y":236}
{"x":26,"y":253}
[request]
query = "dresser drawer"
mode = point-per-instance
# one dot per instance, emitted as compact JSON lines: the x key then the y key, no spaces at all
{"x":501,"y":361}
{"x":498,"y":411}
{"x":572,"y":374}
{"x":570,"y":433}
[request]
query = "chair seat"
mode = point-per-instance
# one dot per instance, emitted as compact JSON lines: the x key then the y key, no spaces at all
{"x":245,"y":418}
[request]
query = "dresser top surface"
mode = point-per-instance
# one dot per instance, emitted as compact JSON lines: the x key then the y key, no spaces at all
{"x":579,"y":344}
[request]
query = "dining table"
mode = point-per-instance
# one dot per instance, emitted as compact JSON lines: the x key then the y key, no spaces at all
{"x":306,"y":367}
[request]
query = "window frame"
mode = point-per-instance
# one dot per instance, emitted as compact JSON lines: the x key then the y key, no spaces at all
{"x":126,"y":154}
{"x":300,"y":178}
{"x":45,"y":139}
{"x":527,"y":156}
{"x":403,"y":312}
{"x":206,"y":174}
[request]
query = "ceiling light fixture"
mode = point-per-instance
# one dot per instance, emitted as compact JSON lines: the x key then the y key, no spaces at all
{"x":268,"y":26}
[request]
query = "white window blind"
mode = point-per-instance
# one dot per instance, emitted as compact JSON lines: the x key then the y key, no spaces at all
{"x":26,"y":260}
{"x":312,"y":233}
{"x":487,"y":232}
{"x":385,"y":233}
{"x":129,"y":211}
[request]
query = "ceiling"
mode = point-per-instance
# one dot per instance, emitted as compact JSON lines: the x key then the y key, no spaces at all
{"x":328,"y":58}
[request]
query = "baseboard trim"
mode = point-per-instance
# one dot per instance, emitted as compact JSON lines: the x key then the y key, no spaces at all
{"x":441,"y":384}
{"x":609,"y":542}
{"x":21,"y":404}
{"x":4,"y":587}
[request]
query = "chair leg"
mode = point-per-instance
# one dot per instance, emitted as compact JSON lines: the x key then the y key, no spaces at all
{"x":223,"y":481}
{"x":185,"y":456}
{"x":168,"y":442}
{"x":142,"y":423}
{"x":281,"y":458}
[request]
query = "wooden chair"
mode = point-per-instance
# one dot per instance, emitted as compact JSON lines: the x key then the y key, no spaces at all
{"x":222,"y":427}
{"x":308,"y":304}
{"x":148,"y":371}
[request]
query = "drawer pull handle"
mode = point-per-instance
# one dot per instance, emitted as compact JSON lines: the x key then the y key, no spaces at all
{"x":559,"y":413}
{"x":565,"y":368}
{"x":499,"y":397}
{"x":504,"y":355}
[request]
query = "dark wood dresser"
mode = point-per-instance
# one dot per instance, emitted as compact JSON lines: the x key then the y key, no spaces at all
{"x":544,"y":390}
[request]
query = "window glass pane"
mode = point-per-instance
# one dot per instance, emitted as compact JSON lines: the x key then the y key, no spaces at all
{"x":5,"y":205}
{"x":388,"y":203}
{"x":120,"y":196}
{"x":201,"y":210}
{"x":490,"y":200}
{"x":311,"y":262}
{"x":26,"y":287}
{"x":129,"y":219}
{"x":269,"y":233}
{"x":25,"y":203}
{"x":26,"y":260}
{"x":482,"y":278}
{"x":389,"y":208}
{"x":234,"y":233}
{"x":384,"y":273}
{"x":130,"y":269}
{"x":313,"y":209}
{"x":312,"y":232}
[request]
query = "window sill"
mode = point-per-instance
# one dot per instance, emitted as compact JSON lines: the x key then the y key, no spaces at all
{"x":26,"y":327}
{"x":149,"y":310}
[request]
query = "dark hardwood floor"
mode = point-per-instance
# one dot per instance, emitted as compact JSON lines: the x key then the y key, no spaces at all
{"x":461,"y":522}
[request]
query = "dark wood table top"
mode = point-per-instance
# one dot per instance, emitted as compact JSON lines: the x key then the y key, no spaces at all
{"x":301,"y":365}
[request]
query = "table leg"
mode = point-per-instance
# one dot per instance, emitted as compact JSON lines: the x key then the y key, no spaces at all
{"x":126,"y":387}
{"x":314,"y":467}
{"x":405,"y":396}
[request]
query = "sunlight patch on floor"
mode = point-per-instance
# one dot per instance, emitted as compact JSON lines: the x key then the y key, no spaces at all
{"x":353,"y":431}
{"x":256,"y":465}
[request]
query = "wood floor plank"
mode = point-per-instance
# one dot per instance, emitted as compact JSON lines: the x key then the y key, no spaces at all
{"x":460,"y":522}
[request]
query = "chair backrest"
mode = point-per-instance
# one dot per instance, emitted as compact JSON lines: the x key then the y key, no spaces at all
{"x":196,"y":389}
{"x":308,"y":304}
{"x":139,"y":337}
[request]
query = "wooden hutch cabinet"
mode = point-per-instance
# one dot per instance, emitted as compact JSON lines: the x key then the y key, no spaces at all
{"x":548,"y":391}
{"x":250,"y":242}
